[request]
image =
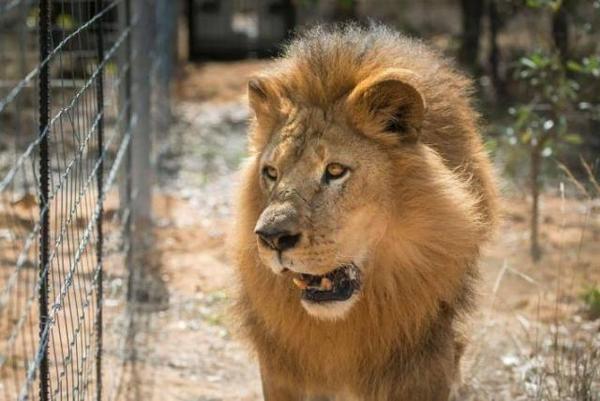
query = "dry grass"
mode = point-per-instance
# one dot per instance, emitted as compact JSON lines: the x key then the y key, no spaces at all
{"x":547,"y":340}
{"x":567,"y":368}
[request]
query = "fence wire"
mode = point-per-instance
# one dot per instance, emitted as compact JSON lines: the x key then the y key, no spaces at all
{"x":69,"y":229}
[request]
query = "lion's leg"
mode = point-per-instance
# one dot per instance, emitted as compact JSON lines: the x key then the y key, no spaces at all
{"x":277,"y":388}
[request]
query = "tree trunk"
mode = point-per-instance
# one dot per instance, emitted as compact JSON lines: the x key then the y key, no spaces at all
{"x":472,"y":11}
{"x":536,"y":158}
{"x":560,"y":31}
{"x":494,"y":57}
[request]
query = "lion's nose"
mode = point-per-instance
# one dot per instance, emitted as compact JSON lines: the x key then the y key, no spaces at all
{"x":277,"y":239}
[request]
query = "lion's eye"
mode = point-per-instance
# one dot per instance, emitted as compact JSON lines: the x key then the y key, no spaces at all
{"x":270,"y":172}
{"x":335,"y":171}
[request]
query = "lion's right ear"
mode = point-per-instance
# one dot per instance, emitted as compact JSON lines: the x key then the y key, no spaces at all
{"x":265,"y":102}
{"x":263,"y":99}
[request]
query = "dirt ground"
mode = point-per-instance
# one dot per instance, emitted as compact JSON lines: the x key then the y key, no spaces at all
{"x":526,"y":309}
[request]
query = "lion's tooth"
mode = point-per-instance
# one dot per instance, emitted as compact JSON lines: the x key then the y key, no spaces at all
{"x":299,"y":283}
{"x":326,"y":284}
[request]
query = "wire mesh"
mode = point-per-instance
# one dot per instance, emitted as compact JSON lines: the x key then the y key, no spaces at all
{"x":67,"y":128}
{"x":19,"y":192}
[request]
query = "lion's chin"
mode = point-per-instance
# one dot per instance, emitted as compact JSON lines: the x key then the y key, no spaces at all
{"x":333,"y":310}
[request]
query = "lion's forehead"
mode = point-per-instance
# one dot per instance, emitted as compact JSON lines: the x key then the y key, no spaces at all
{"x":307,"y":137}
{"x":305,"y":121}
{"x":297,"y":142}
{"x":299,"y":149}
{"x":288,"y":149}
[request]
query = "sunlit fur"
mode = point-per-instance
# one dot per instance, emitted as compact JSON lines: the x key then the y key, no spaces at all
{"x":417,"y":208}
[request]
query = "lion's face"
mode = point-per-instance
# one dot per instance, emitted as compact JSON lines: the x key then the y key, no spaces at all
{"x":324,"y":213}
{"x":321,"y":218}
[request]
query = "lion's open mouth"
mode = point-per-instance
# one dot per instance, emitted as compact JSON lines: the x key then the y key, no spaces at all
{"x":337,"y":285}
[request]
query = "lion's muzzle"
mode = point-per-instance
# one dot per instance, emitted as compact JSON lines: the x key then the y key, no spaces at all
{"x":278,"y":228}
{"x":326,"y":290}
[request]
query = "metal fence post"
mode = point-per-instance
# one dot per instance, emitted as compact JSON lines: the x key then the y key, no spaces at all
{"x":44,"y":256}
{"x":99,"y":183}
{"x":126,"y":186}
{"x":141,"y":145}
{"x":166,"y":18}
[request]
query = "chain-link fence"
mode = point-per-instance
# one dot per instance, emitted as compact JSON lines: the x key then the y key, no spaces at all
{"x":83,"y":84}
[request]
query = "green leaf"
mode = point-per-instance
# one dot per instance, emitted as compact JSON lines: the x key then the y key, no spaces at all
{"x":526,"y":136}
{"x":533,"y":3}
{"x":65,"y":22}
{"x":574,"y":66}
{"x":527,"y":62}
{"x":523,"y":115}
{"x":573,"y":139}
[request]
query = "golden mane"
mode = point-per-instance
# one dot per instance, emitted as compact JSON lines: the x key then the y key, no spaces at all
{"x":443,"y":199}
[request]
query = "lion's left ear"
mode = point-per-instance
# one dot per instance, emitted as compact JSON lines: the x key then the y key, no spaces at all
{"x":389,"y":102}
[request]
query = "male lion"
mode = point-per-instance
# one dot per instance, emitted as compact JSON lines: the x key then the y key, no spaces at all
{"x":362,"y":209}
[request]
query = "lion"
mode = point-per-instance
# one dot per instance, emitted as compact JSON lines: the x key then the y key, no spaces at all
{"x":362,"y":208}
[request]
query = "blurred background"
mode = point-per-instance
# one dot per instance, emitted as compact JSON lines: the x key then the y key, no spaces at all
{"x":123,"y":124}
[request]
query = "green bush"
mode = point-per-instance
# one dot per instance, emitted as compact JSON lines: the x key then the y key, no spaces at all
{"x":591,"y":298}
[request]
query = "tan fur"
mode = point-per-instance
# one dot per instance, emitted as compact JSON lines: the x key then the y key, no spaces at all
{"x":414,"y":212}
